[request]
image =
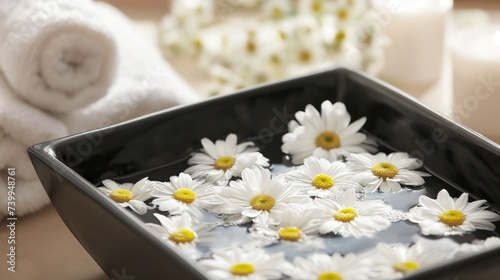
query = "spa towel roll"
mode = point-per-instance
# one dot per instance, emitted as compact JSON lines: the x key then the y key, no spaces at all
{"x":56,"y":54}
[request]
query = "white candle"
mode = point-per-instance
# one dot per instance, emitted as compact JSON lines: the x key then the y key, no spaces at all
{"x":417,"y":31}
{"x":476,"y":75}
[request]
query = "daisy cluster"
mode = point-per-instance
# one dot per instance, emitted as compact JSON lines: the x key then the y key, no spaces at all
{"x":323,"y":193}
{"x":240,"y":43}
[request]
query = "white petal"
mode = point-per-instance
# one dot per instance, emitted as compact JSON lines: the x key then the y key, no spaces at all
{"x":110,"y":184}
{"x":138,"y":206}
{"x":353,"y":127}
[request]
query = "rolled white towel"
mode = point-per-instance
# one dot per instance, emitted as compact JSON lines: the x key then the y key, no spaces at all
{"x":21,"y":126}
{"x":24,"y":123}
{"x":56,"y":54}
{"x":144,"y":82}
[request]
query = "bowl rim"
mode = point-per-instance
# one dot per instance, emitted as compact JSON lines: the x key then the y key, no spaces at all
{"x":45,"y":152}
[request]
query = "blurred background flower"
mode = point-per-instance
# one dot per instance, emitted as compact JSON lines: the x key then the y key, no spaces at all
{"x":244,"y":43}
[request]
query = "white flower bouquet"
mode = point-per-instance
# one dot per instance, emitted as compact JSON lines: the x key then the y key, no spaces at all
{"x":241,"y":43}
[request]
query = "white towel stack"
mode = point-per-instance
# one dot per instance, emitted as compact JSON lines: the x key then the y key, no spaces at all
{"x":69,"y":66}
{"x":144,"y":82}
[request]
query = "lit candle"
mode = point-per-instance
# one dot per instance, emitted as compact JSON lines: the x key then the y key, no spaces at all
{"x":417,"y":31}
{"x":476,"y":75}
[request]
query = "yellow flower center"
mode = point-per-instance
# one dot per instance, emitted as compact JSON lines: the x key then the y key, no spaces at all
{"x":330,"y":276}
{"x":221,"y":80}
{"x":345,"y":215}
{"x":342,"y":14}
{"x":305,"y":56}
{"x":385,"y":170}
{"x":185,"y":195}
{"x":242,"y":269}
{"x":452,"y":218}
{"x":182,"y":235}
{"x":328,"y":140}
{"x":262,"y":202}
{"x":250,"y":47}
{"x":200,"y":10}
{"x":290,"y":234}
{"x":405,"y":267}
{"x":277,"y":12}
{"x":282,"y":35}
{"x":224,"y":163}
{"x":198,"y":44}
{"x":275,"y":59}
{"x":317,"y":6}
{"x":340,"y":37}
{"x":323,"y":181}
{"x":121,"y":195}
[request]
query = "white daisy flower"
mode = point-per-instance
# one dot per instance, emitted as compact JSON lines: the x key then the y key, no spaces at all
{"x":477,"y":246}
{"x":327,"y":135}
{"x":350,"y":217}
{"x":257,"y":194}
{"x":182,"y":232}
{"x":306,"y":51}
{"x":348,"y":12}
{"x":298,"y":225}
{"x":393,"y":261}
{"x":245,"y":264}
{"x":322,"y":178}
{"x":451,"y":216}
{"x":183,"y":194}
{"x":130,"y":195}
{"x":220,"y":161}
{"x":325,"y":267}
{"x":386,"y":172}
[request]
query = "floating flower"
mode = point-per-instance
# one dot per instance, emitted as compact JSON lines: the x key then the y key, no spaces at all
{"x":327,"y":135}
{"x":350,"y":217}
{"x":386,"y":172}
{"x":325,"y":267}
{"x":183,"y":194}
{"x":393,"y":261}
{"x":130,"y":195}
{"x":257,"y":194}
{"x":451,"y":216}
{"x":298,"y":225}
{"x":322,"y":178}
{"x":182,"y":232}
{"x":477,"y":246}
{"x":250,"y":264}
{"x":223,"y":160}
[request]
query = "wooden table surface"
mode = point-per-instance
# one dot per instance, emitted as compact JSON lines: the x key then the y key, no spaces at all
{"x":46,"y":249}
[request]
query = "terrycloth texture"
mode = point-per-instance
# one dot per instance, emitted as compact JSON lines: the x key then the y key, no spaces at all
{"x":144,"y":82}
{"x":21,"y":126}
{"x":30,"y":196}
{"x":56,"y":53}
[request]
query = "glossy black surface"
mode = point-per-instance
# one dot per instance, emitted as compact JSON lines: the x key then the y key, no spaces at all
{"x":159,"y":144}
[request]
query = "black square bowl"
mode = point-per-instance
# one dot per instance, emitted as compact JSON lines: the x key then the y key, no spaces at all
{"x":159,"y":145}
